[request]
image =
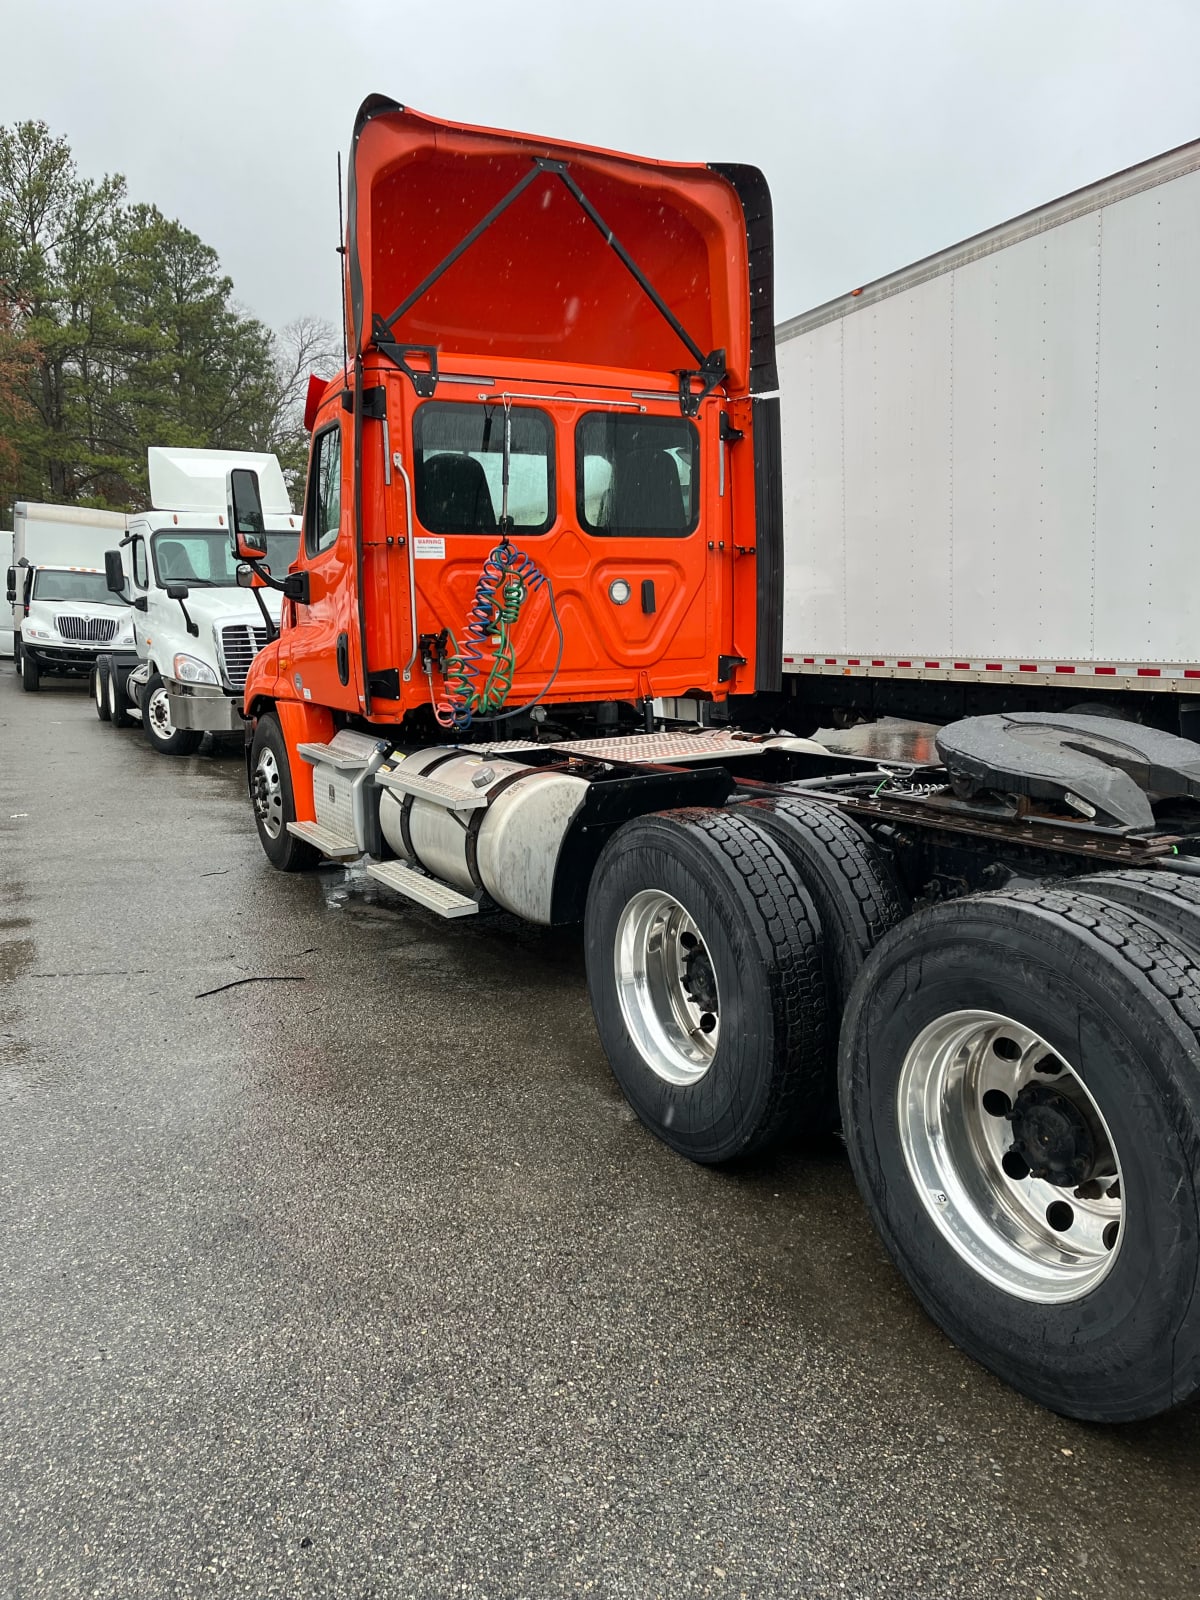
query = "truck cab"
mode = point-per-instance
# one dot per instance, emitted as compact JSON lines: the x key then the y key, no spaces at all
{"x":69,"y":618}
{"x":196,"y":627}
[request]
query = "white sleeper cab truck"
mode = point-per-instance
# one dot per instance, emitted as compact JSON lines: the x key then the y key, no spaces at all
{"x":195,"y":629}
{"x":6,"y":622}
{"x":62,"y":609}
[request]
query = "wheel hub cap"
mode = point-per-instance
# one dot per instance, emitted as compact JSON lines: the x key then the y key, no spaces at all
{"x":1011,"y":1156}
{"x":667,"y":987}
{"x":268,"y":795}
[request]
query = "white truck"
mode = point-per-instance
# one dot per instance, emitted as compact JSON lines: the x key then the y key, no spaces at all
{"x":7,"y":632}
{"x":195,"y":631}
{"x":63,"y":612}
{"x":990,"y":469}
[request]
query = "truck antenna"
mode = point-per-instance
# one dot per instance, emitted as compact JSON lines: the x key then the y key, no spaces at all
{"x":341,"y":250}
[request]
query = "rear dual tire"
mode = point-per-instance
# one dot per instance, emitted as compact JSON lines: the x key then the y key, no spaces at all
{"x":1074,"y":1274}
{"x":99,"y":688}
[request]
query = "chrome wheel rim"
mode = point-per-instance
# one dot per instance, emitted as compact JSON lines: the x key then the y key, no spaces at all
{"x":667,"y":987}
{"x":268,"y":794}
{"x":158,"y":714}
{"x":1011,"y":1156}
{"x":100,"y":696}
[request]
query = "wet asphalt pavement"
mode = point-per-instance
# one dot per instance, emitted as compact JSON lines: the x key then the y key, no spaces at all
{"x":361,"y":1280}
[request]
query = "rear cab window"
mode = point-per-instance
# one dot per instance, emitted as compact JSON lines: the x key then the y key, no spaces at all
{"x":459,"y":477}
{"x":637,"y":476}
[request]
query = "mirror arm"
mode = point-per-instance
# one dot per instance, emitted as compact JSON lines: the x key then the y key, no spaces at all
{"x":191,"y":626}
{"x":272,"y":630}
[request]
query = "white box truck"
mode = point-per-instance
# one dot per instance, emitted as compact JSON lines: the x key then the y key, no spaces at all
{"x":195,"y":631}
{"x":7,"y":634}
{"x":991,"y":470}
{"x":63,"y":612}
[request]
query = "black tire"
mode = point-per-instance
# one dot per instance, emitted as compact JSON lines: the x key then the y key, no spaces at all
{"x":31,"y":674}
{"x":98,"y":684}
{"x":282,"y":849}
{"x":853,"y":886}
{"x":119,"y":713}
{"x":1167,"y":899}
{"x":760,"y":936}
{"x":1120,"y":1003}
{"x":161,"y":733}
{"x":17,"y":655}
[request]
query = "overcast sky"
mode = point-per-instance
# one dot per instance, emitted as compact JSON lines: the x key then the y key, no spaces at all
{"x":887,"y":128}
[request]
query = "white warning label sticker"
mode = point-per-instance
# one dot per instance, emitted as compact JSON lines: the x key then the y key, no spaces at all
{"x":428,"y":549}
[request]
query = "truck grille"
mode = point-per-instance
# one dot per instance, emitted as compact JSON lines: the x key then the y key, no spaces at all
{"x":93,"y":630}
{"x":240,"y":643}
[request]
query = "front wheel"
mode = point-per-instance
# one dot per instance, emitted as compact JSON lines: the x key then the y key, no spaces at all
{"x":705,"y":970}
{"x":31,"y":673}
{"x":161,"y":731}
{"x":1021,"y":1106}
{"x":100,"y":676}
{"x":274,"y":805}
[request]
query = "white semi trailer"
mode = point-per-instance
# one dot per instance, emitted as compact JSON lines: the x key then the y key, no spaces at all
{"x":7,"y":633}
{"x":991,"y":470}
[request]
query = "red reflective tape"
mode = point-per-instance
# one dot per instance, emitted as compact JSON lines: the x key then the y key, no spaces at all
{"x":1027,"y":666}
{"x":904,"y":663}
{"x":934,"y":664}
{"x":1149,"y":672}
{"x":879,"y":663}
{"x":993,"y":666}
{"x":1191,"y":672}
{"x":1107,"y":671}
{"x":854,"y":662}
{"x":1064,"y":669}
{"x":962,"y":666}
{"x":831,"y":661}
{"x":809,"y":662}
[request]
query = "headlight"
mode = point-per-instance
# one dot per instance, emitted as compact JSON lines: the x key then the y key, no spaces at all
{"x":189,"y":670}
{"x":41,"y":633}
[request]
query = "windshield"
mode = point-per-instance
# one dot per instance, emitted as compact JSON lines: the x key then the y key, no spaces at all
{"x":202,"y":557}
{"x":88,"y":587}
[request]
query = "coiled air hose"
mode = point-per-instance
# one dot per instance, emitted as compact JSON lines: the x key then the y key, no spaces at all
{"x":476,"y":686}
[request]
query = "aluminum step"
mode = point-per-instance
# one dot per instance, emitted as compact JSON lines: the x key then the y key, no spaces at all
{"x":346,"y":752}
{"x":334,"y":845}
{"x":431,"y":789}
{"x":428,"y":892}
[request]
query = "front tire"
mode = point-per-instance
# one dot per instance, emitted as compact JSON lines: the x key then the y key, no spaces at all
{"x":100,"y":675}
{"x":1021,"y":1106}
{"x":161,"y":732}
{"x":274,"y":805}
{"x":705,"y":970}
{"x":31,"y":674}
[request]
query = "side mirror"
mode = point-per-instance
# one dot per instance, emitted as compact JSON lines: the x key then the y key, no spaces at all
{"x":12,"y":585}
{"x":247,"y":527}
{"x":177,"y":591}
{"x":244,"y":576}
{"x":114,"y":572}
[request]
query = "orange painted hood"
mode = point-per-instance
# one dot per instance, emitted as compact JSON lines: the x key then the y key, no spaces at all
{"x":543,"y":281}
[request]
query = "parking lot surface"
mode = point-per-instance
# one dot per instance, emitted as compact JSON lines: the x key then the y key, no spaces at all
{"x":332,"y":1263}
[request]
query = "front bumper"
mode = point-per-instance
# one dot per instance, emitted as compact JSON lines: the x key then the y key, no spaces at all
{"x":204,"y":708}
{"x":64,"y":657}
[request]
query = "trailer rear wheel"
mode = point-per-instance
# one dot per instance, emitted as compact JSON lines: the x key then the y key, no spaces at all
{"x":118,"y":708}
{"x":1022,"y":1109}
{"x":274,"y":805}
{"x":100,"y":688}
{"x":706,"y":977}
{"x":853,"y":886}
{"x":1167,"y":899}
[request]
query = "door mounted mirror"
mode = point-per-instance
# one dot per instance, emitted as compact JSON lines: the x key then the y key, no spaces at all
{"x":114,"y":573}
{"x":247,"y":526}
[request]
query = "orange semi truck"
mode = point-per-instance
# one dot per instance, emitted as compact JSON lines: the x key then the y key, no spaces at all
{"x":530,"y":662}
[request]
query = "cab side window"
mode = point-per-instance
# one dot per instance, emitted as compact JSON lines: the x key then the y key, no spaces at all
{"x":141,"y":570}
{"x":323,"y":513}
